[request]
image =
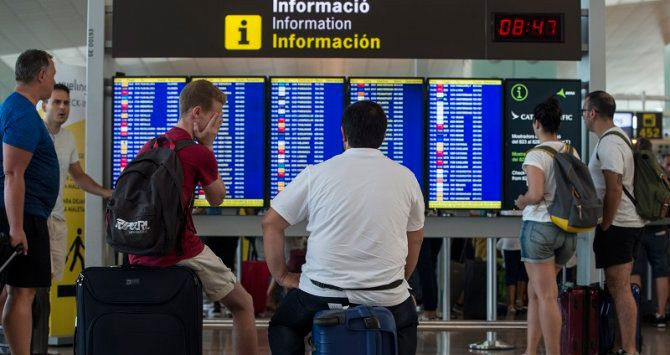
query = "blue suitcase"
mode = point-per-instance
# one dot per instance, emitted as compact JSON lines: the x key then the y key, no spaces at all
{"x":361,"y":330}
{"x":609,"y":324}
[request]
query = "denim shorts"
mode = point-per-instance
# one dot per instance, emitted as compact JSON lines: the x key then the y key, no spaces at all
{"x":543,"y":242}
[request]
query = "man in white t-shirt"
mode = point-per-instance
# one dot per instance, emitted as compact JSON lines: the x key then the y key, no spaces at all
{"x":365,"y":218}
{"x":618,"y":235}
{"x":57,"y":110}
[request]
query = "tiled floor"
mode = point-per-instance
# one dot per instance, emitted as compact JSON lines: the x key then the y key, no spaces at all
{"x":656,"y":342}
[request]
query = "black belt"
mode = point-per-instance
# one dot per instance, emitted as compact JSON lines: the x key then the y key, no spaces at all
{"x":390,"y":286}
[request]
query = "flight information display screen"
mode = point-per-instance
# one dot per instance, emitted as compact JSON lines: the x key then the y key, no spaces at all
{"x":625,"y":121}
{"x":143,"y":108}
{"x":240,"y":145}
{"x":465,"y":144}
{"x":305,"y":121}
{"x":403,"y":102}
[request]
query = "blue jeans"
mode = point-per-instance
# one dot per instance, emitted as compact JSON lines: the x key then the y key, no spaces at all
{"x":654,"y":249}
{"x":543,"y":242}
{"x":293,"y":321}
{"x":430,"y":249}
{"x":515,"y":271}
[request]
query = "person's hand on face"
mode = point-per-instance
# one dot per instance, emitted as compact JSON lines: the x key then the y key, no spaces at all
{"x":207,"y":134}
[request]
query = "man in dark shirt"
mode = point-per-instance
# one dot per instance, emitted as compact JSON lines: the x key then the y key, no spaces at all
{"x":30,"y":181}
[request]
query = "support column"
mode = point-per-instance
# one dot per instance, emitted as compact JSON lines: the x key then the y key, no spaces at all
{"x":592,"y":73}
{"x":666,"y":107}
{"x":94,"y":223}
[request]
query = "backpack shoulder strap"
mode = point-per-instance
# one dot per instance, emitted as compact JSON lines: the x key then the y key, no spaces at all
{"x":568,"y":149}
{"x":618,"y":134}
{"x":628,"y":143}
{"x":630,"y":197}
{"x":174,"y":145}
{"x":181,"y":144}
{"x":549,"y":150}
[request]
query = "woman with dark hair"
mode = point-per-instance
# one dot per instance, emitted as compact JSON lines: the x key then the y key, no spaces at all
{"x":544,"y":247}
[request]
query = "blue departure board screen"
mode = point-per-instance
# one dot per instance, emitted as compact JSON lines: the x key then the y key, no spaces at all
{"x":143,"y":108}
{"x":240,"y":145}
{"x":305,"y":121}
{"x":465,"y":144}
{"x":403,"y":103}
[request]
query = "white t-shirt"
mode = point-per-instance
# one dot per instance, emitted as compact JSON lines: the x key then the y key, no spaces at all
{"x":66,"y":150}
{"x":614,"y":154}
{"x":545,"y":162}
{"x":359,"y":206}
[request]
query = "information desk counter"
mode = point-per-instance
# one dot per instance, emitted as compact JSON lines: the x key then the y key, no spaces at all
{"x":435,"y":227}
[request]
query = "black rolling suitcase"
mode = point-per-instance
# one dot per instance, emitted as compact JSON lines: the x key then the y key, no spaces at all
{"x":474,"y":301}
{"x":139,"y":310}
{"x":609,"y":325}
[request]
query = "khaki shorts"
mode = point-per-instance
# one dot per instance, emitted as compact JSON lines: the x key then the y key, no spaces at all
{"x":216,"y":278}
{"x":58,"y":242}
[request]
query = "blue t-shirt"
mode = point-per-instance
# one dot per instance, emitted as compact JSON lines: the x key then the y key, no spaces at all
{"x":22,"y":127}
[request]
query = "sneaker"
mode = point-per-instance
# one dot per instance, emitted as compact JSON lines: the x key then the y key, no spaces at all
{"x":622,"y":352}
{"x":659,"y":321}
{"x":423,"y":317}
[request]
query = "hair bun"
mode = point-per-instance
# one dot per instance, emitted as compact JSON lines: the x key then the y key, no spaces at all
{"x":552,"y":103}
{"x":548,"y":113}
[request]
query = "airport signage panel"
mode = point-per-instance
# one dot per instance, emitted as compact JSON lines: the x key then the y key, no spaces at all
{"x":650,"y":125}
{"x":460,"y":29}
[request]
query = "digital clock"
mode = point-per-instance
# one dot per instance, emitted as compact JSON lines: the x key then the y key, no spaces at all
{"x":527,"y":27}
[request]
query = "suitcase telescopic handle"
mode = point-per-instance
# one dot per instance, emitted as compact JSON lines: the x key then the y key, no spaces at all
{"x":17,"y":251}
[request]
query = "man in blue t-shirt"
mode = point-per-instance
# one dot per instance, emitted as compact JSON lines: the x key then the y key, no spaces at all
{"x":29,"y":181}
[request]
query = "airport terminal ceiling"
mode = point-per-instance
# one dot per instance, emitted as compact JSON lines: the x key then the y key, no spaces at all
{"x":637,"y":31}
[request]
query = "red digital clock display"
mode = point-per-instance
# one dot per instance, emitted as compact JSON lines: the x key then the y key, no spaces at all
{"x":527,"y":27}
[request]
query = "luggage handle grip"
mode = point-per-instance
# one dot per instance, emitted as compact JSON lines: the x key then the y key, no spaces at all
{"x":328,"y":321}
{"x":372,"y":323}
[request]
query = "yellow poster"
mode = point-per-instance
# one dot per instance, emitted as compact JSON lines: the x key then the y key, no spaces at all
{"x":62,"y":295}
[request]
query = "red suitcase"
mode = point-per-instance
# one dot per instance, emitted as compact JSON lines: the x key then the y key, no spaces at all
{"x":580,"y":311}
{"x":256,"y":279}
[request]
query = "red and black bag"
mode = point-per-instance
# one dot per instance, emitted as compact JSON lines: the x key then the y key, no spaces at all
{"x":256,"y":279}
